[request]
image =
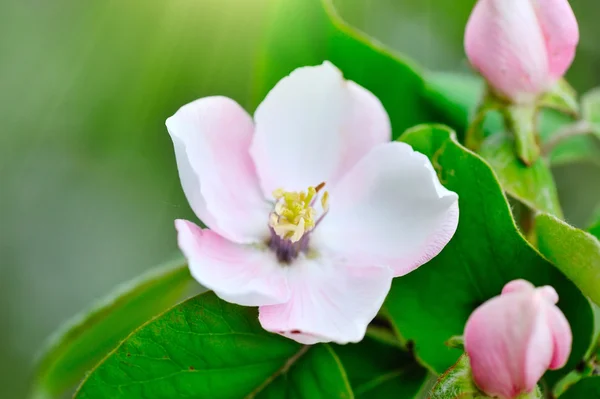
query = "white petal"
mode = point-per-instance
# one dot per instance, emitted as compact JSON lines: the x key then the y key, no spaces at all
{"x":331,"y":301}
{"x":212,"y":137}
{"x":311,"y":125}
{"x":389,"y":209}
{"x":240,"y":274}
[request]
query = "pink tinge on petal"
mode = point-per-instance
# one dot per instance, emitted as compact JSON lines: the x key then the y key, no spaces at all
{"x":330,"y":301}
{"x":539,"y":348}
{"x":549,"y":294}
{"x":391,"y":209}
{"x":240,"y":274}
{"x":505,"y":43}
{"x":514,"y":338}
{"x":312,"y":126}
{"x":496,"y":342}
{"x":212,"y":137}
{"x":561,"y":33}
{"x":517,"y":286}
{"x":562,"y":337}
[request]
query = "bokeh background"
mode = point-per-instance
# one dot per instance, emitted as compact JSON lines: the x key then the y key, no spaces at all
{"x":88,"y":184}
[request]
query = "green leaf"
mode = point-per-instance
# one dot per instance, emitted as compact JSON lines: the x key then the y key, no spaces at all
{"x":432,"y":304}
{"x":532,"y":185}
{"x":380,"y":369}
{"x":456,"y":97}
{"x":575,"y":252}
{"x":88,"y":337}
{"x":308,"y":32}
{"x":207,"y":348}
{"x":586,"y":388}
{"x":595,"y":224}
{"x":595,"y":230}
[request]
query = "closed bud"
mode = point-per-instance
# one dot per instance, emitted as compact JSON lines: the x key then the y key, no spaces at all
{"x":521,"y":47}
{"x":514,"y":338}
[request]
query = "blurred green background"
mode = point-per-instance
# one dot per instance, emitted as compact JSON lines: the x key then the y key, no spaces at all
{"x":88,"y":184}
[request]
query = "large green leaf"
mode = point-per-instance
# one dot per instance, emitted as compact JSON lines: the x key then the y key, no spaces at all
{"x":532,"y":185}
{"x":88,"y":337}
{"x":207,"y":348}
{"x":307,"y":32}
{"x":586,"y":388}
{"x":432,"y":304}
{"x":574,"y":251}
{"x":378,"y":368}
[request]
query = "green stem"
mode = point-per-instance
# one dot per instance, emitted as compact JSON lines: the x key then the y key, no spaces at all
{"x":579,"y":128}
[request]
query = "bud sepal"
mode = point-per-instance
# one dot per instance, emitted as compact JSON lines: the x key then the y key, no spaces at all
{"x":457,"y":383}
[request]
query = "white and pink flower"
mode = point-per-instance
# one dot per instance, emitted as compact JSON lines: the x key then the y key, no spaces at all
{"x":311,"y":210}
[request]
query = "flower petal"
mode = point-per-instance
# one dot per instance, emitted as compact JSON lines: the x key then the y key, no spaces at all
{"x":311,"y":125}
{"x":497,"y":340}
{"x":212,"y":136}
{"x":389,"y":209}
{"x":519,"y":285}
{"x":560,"y":32}
{"x":505,"y":43}
{"x":237,"y":273}
{"x":539,"y":347}
{"x":366,"y":125}
{"x":330,"y":301}
{"x":562,"y":337}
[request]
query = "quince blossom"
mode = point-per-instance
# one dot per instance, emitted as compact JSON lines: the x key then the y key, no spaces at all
{"x":310,"y":210}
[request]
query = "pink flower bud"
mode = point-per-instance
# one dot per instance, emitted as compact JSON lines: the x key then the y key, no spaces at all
{"x":521,"y":47}
{"x":514,"y":338}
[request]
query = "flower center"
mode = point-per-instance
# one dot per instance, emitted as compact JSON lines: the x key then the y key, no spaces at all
{"x":293,"y":218}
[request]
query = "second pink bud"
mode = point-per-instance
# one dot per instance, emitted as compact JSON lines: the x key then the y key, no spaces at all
{"x":514,"y":338}
{"x":521,"y":47}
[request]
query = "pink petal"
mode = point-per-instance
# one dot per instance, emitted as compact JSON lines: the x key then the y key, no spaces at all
{"x":539,"y":348}
{"x":562,"y":337}
{"x":514,"y":338}
{"x":548,"y":293}
{"x":497,"y":337}
{"x":389,"y":209}
{"x":505,"y":43}
{"x":311,"y":125}
{"x":561,"y":33}
{"x":240,"y":274}
{"x":330,"y":301}
{"x":211,"y":138}
{"x":517,"y":286}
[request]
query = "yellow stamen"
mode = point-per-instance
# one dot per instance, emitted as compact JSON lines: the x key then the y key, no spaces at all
{"x":325,"y":201}
{"x":294,"y":215}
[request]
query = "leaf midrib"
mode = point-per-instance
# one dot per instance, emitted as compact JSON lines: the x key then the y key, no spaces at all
{"x":280,"y":371}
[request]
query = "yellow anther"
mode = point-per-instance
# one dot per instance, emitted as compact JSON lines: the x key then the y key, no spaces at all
{"x":298,"y":231}
{"x":325,"y":201}
{"x":273,"y":220}
{"x":294,"y":215}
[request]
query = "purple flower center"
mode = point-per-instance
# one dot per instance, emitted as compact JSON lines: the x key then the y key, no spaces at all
{"x":286,"y":250}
